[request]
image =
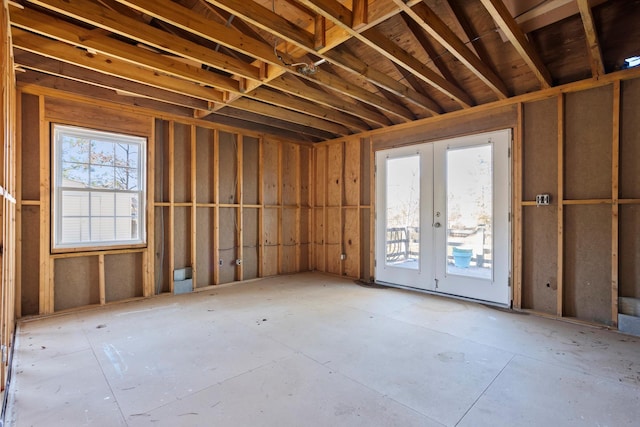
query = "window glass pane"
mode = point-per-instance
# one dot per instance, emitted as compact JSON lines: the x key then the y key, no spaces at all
{"x":75,"y":203}
{"x":126,"y":155}
{"x":403,"y":212}
{"x":102,"y":229}
{"x":87,"y":163}
{"x":469,"y":211}
{"x":75,"y":149}
{"x":75,"y":175}
{"x":125,"y":228}
{"x":126,"y":204}
{"x":102,"y":153}
{"x":102,"y":177}
{"x":126,"y":179}
{"x":102,"y":204}
{"x":75,"y":230}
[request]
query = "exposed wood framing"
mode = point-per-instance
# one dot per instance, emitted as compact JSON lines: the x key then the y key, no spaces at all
{"x":433,"y":25}
{"x":46,"y":266}
{"x":593,"y":45}
{"x":560,"y":192}
{"x":149,"y":255}
{"x":172,"y":216}
{"x":508,"y":25}
{"x":216,"y":209}
{"x":517,"y":183}
{"x":615,"y":178}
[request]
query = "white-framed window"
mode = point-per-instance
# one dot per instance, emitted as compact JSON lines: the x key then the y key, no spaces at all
{"x":99,"y":188}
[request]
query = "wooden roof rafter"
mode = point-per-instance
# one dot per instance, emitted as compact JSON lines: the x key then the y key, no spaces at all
{"x":593,"y":45}
{"x":342,"y":17}
{"x":264,"y":18}
{"x":111,"y":21}
{"x":509,"y":26}
{"x":69,"y":33}
{"x":186,"y":19}
{"x":437,"y":29}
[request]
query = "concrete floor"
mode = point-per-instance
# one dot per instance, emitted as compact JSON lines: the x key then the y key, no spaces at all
{"x":313,"y":350}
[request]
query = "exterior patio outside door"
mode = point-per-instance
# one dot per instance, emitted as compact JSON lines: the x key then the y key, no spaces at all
{"x":449,"y":233}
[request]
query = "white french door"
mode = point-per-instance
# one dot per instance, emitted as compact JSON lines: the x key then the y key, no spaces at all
{"x":442,"y":221}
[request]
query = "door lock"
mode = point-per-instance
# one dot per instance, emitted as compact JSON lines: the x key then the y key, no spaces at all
{"x":436,"y":225}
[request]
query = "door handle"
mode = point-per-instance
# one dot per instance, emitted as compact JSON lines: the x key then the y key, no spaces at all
{"x":436,"y":225}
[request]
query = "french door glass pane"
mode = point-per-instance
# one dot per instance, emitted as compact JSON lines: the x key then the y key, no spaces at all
{"x":403,"y":212}
{"x":469,"y":211}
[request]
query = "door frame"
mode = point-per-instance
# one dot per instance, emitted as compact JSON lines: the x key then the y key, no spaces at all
{"x":427,"y":284}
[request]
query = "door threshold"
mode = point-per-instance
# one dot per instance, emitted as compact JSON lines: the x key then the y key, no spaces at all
{"x":443,"y":294}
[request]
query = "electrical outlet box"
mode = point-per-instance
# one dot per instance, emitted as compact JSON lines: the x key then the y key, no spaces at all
{"x":238,"y":262}
{"x":543,"y":199}
{"x":220,"y":262}
{"x":343,"y":257}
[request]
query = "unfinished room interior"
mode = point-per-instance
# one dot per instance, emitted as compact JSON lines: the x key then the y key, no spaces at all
{"x":320,"y":213}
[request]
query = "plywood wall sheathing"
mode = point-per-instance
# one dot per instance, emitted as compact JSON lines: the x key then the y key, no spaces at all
{"x":587,"y":279}
{"x":205,"y":253}
{"x":250,"y":242}
{"x":76,"y":282}
{"x":270,"y":156}
{"x":123,"y":276}
{"x":588,"y":130}
{"x":228,"y":244}
{"x":250,"y":172}
{"x":539,"y":270}
{"x":630,"y":140}
{"x":352,"y":168}
{"x":270,"y":241}
{"x":352,"y":239}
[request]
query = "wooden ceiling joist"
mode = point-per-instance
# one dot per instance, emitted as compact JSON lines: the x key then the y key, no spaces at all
{"x":184,"y":18}
{"x":425,"y":43}
{"x":93,"y":40}
{"x":437,"y":29}
{"x":593,"y":45}
{"x":337,"y":68}
{"x":508,"y":25}
{"x":342,"y":17}
{"x":109,"y":65}
{"x":31,"y":61}
{"x":264,"y":18}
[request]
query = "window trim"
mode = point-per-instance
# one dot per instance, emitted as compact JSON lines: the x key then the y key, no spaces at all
{"x":56,"y":189}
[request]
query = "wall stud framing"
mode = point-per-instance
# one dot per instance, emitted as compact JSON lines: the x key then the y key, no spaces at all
{"x":261,"y":208}
{"x":148,"y":257}
{"x":101,"y":279}
{"x":517,"y":209}
{"x":615,"y":174}
{"x":194,"y":210}
{"x":560,"y":271}
{"x":18,"y":221}
{"x":172,"y":188}
{"x":46,"y":266}
{"x":239,"y":201}
{"x":216,"y":209}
